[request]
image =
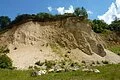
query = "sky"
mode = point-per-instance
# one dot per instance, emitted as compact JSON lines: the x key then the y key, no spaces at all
{"x":96,"y":9}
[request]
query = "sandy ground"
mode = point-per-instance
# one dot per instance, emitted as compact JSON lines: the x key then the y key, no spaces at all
{"x":25,"y":56}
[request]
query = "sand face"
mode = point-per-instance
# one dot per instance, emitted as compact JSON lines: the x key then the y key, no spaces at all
{"x":39,"y":41}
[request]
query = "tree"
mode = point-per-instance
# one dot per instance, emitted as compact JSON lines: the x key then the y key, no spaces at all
{"x":4,"y":21}
{"x":81,"y":12}
{"x":77,"y":11}
{"x":84,"y":12}
{"x":99,"y":26}
{"x":115,"y":26}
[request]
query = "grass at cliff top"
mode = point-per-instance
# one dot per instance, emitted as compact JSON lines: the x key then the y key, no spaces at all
{"x":108,"y":72}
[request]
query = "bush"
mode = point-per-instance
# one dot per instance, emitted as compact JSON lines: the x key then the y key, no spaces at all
{"x":99,"y":26}
{"x":4,"y":21}
{"x":81,"y":12}
{"x":5,"y":62}
{"x":115,"y":26}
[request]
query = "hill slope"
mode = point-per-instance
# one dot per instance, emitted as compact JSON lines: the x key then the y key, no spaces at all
{"x":56,"y":40}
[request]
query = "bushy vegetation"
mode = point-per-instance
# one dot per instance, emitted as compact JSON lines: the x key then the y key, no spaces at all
{"x":5,"y":61}
{"x":99,"y":26}
{"x":115,"y":26}
{"x":4,"y":22}
{"x":81,"y":12}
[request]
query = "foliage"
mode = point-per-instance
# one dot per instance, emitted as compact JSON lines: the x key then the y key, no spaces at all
{"x":5,"y":62}
{"x":81,"y":12}
{"x":99,"y":26}
{"x":77,"y":11}
{"x":23,"y":17}
{"x":43,"y":16}
{"x":4,"y":21}
{"x":115,"y":26}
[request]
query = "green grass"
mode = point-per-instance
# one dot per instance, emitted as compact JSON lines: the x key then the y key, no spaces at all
{"x":108,"y":72}
{"x":115,"y":49}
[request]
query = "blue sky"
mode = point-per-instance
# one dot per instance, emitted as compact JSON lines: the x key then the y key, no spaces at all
{"x":12,"y":8}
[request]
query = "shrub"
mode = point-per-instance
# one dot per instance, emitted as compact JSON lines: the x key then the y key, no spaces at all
{"x":4,"y":21}
{"x":99,"y":26}
{"x":22,"y":18}
{"x":5,"y":62}
{"x":115,"y":26}
{"x":81,"y":12}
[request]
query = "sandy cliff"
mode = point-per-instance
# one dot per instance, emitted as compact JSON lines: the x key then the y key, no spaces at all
{"x":33,"y":41}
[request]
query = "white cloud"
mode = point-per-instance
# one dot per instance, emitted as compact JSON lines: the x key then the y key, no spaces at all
{"x":113,"y":11}
{"x":50,"y":8}
{"x":89,"y":12}
{"x":118,"y":3}
{"x":70,"y":10}
{"x":62,"y":10}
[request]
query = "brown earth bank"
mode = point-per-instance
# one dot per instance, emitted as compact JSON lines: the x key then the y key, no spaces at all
{"x":70,"y":39}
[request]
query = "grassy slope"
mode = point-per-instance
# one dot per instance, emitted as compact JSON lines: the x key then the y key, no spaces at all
{"x":115,"y":49}
{"x":109,"y":72}
{"x":110,"y":45}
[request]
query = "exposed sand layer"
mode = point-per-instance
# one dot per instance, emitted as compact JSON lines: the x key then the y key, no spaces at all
{"x":34,"y":41}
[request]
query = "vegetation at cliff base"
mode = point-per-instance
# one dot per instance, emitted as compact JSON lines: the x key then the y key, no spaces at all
{"x":108,"y":72}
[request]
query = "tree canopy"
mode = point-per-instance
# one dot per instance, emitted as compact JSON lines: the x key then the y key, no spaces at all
{"x":4,"y":21}
{"x":99,"y":26}
{"x":81,"y":12}
{"x":115,"y":26}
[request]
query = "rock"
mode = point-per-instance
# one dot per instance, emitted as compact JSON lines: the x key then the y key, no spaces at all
{"x":90,"y":70}
{"x":37,"y":73}
{"x":101,"y":51}
{"x":60,"y":70}
{"x":86,"y":70}
{"x":51,"y":70}
{"x":96,"y":70}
